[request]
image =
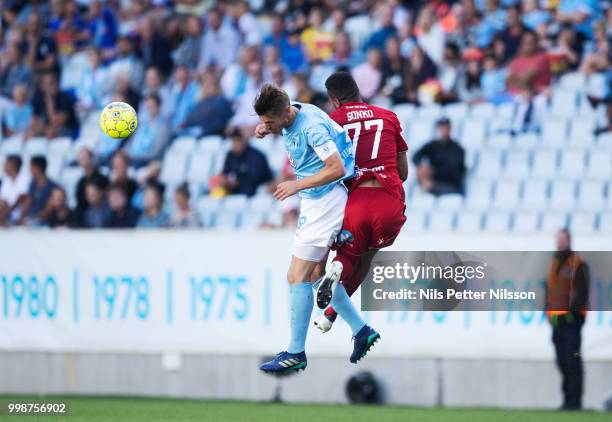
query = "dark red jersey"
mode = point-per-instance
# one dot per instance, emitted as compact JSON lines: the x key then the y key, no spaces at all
{"x":377,"y":138}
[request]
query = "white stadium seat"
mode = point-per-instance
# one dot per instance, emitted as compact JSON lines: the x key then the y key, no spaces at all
{"x":605,"y":222}
{"x":469,"y":221}
{"x":500,"y":141}
{"x":419,"y":132}
{"x":473,"y":134}
{"x":526,"y":141}
{"x":544,"y":163}
{"x":563,"y":103}
{"x":563,"y":195}
{"x":478,"y":195}
{"x":572,"y":163}
{"x":517,"y":164}
{"x":482,"y":110}
{"x":415,"y":221}
{"x":535,"y":194}
{"x":456,"y":111}
{"x":235,"y":202}
{"x":525,"y":222}
{"x":581,"y":132}
{"x":583,"y":222}
{"x":591,"y":195}
{"x":554,"y":133}
{"x":507,"y":195}
{"x":431,"y":112}
{"x":210,"y":143}
{"x":36,"y":146}
{"x":252,"y":219}
{"x":200,"y":167}
{"x":421,"y":200}
{"x":226,"y":220}
{"x":600,"y":165}
{"x":497,"y":221}
{"x":263,"y":202}
{"x":174,"y":166}
{"x":61,"y":145}
{"x":489,"y":163}
{"x":183,"y":144}
{"x":450,"y":202}
{"x":13,"y":145}
{"x":441,"y":221}
{"x":552,"y":221}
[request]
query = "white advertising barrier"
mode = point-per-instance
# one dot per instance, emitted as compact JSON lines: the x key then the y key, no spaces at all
{"x":226,"y":293}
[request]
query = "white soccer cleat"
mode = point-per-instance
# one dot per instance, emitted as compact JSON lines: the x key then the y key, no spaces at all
{"x":326,"y":288}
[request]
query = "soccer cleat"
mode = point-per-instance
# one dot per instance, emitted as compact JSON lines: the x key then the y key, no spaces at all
{"x":325,"y":322}
{"x":363,"y":342}
{"x":327,"y":286}
{"x":285,"y":362}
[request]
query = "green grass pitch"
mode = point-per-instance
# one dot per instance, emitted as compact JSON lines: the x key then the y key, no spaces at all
{"x":111,"y":409}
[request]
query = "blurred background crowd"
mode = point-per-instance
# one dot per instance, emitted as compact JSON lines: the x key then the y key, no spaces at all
{"x":461,"y":75}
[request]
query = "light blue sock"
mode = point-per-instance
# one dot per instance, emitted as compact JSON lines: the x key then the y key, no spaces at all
{"x":301,"y":302}
{"x":342,"y":304}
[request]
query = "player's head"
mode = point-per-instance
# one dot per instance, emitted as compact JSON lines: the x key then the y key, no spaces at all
{"x":273,"y":107}
{"x":564,"y":240}
{"x":342,"y":88}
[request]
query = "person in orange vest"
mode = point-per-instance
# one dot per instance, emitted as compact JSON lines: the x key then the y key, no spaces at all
{"x":567,"y":297}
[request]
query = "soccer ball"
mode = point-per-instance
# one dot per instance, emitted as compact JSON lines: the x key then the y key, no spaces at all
{"x":118,"y":120}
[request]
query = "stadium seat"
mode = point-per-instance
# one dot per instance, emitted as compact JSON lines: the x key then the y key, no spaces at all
{"x":605,"y":222}
{"x":563,"y":103}
{"x":581,"y":132}
{"x":235,"y":203}
{"x":415,"y":221}
{"x":572,"y":163}
{"x":498,"y":125}
{"x":517,"y":165}
{"x":430,"y":112}
{"x":482,"y":110}
{"x":226,"y":220}
{"x":554,"y":133}
{"x":210,"y":143}
{"x":13,"y":145}
{"x":450,"y":202}
{"x":574,"y":81}
{"x":36,"y":146}
{"x":563,"y":195}
{"x":456,"y":111}
{"x":553,"y":221}
{"x":504,"y":111}
{"x":525,"y":222}
{"x":489,"y":163}
{"x":55,"y":163}
{"x":69,"y":179}
{"x":497,"y":221}
{"x":544,"y":163}
{"x":441,"y":221}
{"x":419,"y":132}
{"x":404,"y":112}
{"x":604,"y":141}
{"x":526,"y":141}
{"x":600,"y":165}
{"x":421,"y":200}
{"x":478,"y":196}
{"x":358,"y":27}
{"x":499,"y":141}
{"x":261,"y":202}
{"x":252,"y":219}
{"x":200,"y":167}
{"x":185,"y":144}
{"x":535,"y":194}
{"x":277,"y":159}
{"x":208,"y":204}
{"x":61,"y":145}
{"x":469,"y":221}
{"x":591,"y":195}
{"x":174,"y":166}
{"x":582,"y":222}
{"x":473,"y":134}
{"x":507,"y":195}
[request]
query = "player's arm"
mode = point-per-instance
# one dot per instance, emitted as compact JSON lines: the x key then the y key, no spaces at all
{"x":333,"y":169}
{"x":402,"y":165}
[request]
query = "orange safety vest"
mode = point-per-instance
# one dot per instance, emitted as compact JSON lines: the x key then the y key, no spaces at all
{"x":560,"y":284}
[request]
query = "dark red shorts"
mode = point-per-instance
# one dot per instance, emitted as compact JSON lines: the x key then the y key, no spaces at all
{"x":374,"y":217}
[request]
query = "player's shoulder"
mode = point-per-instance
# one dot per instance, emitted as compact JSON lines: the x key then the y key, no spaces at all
{"x":383,"y":112}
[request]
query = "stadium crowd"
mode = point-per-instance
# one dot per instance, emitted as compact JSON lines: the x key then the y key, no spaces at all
{"x":193,"y":67}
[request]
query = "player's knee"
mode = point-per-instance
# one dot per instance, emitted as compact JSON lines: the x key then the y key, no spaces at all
{"x":317,"y":273}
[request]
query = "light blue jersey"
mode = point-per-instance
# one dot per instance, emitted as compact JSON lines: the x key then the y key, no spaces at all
{"x":313,"y":135}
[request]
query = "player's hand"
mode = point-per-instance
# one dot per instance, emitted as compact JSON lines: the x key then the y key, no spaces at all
{"x":261,"y":131}
{"x":286,"y":189}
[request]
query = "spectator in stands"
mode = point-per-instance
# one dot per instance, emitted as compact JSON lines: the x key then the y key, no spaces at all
{"x":98,"y":213}
{"x":567,"y":303}
{"x":430,"y":36}
{"x":317,"y":42}
{"x":34,"y":210}
{"x":469,"y":89}
{"x":154,"y":50}
{"x":123,"y":214}
{"x":126,"y":63}
{"x":234,"y":77}
{"x":220,"y":43}
{"x":91,"y":174}
{"x":54,"y":113}
{"x":246,"y":22}
{"x":368,"y":75}
{"x":212,"y":113}
{"x":579,"y":13}
{"x":386,"y":29}
{"x":449,"y":73}
{"x":528,"y":111}
{"x":150,"y":175}
{"x":60,"y":214}
{"x":13,"y":190}
{"x":13,"y":70}
{"x":421,"y":68}
{"x":530,"y":66}
{"x":95,"y":83}
{"x":600,"y":59}
{"x":278,"y":32}
{"x":68,"y":27}
{"x":244,"y":117}
{"x":336,"y":21}
{"x":245,"y":167}
{"x":151,"y":137}
{"x":292,"y":55}
{"x":153,"y":84}
{"x":17,"y":115}
{"x":493,"y":81}
{"x":41,"y":50}
{"x":564,"y":54}
{"x":533,"y":16}
{"x":343,"y":54}
{"x":393,"y":67}
{"x":120,"y":174}
{"x":188,"y":52}
{"x":305,"y":93}
{"x":441,"y":163}
{"x":181,"y":99}
{"x":103,"y":26}
{"x":153,"y":215}
{"x":511,"y":36}
{"x":184,"y":216}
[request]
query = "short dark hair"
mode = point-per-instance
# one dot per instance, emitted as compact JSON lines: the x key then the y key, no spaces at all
{"x":39,"y":161}
{"x":15,"y":160}
{"x":342,"y":87}
{"x":155,"y":98}
{"x":271,"y":100}
{"x":183,"y":189}
{"x":120,"y":187}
